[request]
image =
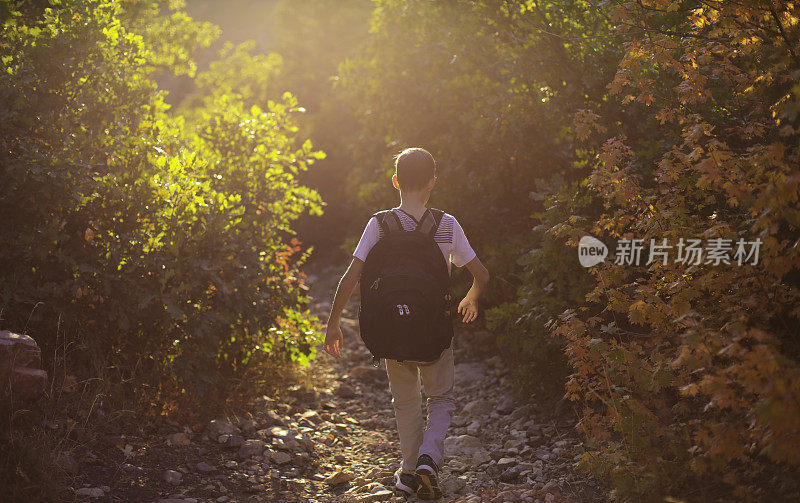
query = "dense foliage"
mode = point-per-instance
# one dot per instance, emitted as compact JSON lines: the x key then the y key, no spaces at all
{"x":687,"y":372}
{"x":631,"y":120}
{"x":162,"y":245}
{"x":164,"y":236}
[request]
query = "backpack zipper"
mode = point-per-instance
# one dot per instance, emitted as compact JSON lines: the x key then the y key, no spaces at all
{"x":375,"y":284}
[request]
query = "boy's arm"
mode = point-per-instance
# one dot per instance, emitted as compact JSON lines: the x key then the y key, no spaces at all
{"x":469,"y":305}
{"x":333,"y":332}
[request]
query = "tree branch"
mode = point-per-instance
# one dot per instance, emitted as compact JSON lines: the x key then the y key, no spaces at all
{"x":783,"y":34}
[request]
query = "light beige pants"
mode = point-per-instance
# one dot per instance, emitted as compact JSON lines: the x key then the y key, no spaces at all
{"x":404,"y":383}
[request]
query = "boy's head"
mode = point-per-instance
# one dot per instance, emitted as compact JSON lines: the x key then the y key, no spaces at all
{"x":415,"y":170}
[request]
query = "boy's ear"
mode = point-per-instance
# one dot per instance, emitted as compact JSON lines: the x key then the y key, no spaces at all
{"x":395,"y":182}
{"x":431,"y":183}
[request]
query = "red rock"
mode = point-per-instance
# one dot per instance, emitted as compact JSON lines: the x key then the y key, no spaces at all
{"x":19,"y":349}
{"x":27,"y":381}
{"x":20,"y":359}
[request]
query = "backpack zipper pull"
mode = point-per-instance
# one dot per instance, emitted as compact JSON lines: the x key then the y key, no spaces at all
{"x":375,"y":284}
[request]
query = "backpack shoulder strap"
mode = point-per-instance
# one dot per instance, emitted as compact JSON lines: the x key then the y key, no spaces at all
{"x":429,"y":223}
{"x":388,"y":221}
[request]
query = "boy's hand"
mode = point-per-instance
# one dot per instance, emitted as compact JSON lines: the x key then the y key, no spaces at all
{"x":333,"y":340}
{"x":469,"y":308}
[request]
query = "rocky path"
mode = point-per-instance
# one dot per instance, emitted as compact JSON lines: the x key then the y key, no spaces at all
{"x":333,"y":438}
{"x":496,"y":450}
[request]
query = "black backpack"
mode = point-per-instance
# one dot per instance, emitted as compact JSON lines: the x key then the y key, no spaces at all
{"x":405,"y":292}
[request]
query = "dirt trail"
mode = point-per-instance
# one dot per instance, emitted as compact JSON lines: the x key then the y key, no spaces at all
{"x":521,"y":453}
{"x":333,"y":438}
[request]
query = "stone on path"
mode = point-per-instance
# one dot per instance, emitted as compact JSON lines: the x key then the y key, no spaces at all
{"x":279,"y":458}
{"x":311,"y":416}
{"x":382,"y":495}
{"x":232,"y":441}
{"x":91,"y":492}
{"x":506,"y":462}
{"x":510,"y":474}
{"x":453,"y":485}
{"x":469,"y":372}
{"x":204,"y":467}
{"x":219,"y":427}
{"x":506,"y":406}
{"x":474,"y":428}
{"x":461,"y":443}
{"x":276,"y":431}
{"x":251,"y":448}
{"x":345,"y":391}
{"x":544,"y":454}
{"x":479,"y":408}
{"x":173,"y":477}
{"x":271,"y":418}
{"x":340,"y":477}
{"x":248,"y":425}
{"x":466,"y":446}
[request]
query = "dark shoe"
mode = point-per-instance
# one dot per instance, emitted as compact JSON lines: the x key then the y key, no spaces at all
{"x":406,"y":482}
{"x":427,"y":479}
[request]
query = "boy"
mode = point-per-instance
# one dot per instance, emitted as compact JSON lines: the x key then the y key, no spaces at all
{"x":414,"y":177}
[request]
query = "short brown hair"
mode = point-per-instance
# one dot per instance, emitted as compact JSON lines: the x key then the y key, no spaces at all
{"x":414,"y":168}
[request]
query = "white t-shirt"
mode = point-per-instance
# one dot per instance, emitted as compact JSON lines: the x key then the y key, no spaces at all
{"x":449,"y":236}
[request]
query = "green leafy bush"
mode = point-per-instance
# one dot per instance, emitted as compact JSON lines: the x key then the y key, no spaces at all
{"x":165,"y":244}
{"x":551,"y":282}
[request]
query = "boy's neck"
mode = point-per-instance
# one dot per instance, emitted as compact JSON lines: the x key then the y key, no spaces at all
{"x":413,"y":205}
